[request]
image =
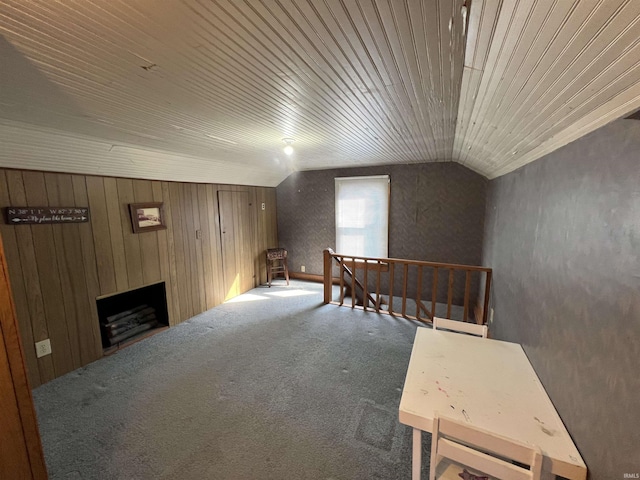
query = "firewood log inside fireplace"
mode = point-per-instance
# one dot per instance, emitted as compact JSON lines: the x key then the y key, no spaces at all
{"x":127,"y":324}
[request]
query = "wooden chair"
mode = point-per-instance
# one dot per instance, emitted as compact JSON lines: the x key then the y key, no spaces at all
{"x":457,"y":446}
{"x":464,"y":327}
{"x":277,"y":263}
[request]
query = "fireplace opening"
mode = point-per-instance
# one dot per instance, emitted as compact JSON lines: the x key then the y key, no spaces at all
{"x":132,"y":315}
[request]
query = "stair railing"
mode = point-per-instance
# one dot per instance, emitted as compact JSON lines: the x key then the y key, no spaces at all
{"x":368,"y":280}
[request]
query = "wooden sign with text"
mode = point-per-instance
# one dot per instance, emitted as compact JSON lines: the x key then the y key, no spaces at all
{"x":46,"y":215}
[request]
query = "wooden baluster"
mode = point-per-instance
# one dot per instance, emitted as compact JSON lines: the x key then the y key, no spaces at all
{"x":392,"y":267}
{"x":467,"y":291}
{"x":354,"y":272}
{"x":365,"y":300}
{"x":419,"y":291}
{"x":328,"y":280}
{"x":434,"y":292}
{"x":404,"y":289}
{"x":450,"y":293}
{"x":487,"y":293}
{"x":378,"y":288}
{"x":341,"y":280}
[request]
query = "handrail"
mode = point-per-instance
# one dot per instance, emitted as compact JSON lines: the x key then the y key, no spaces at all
{"x":352,"y":264}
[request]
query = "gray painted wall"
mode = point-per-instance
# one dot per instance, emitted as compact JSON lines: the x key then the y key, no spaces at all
{"x":563,"y":239}
{"x":436,"y":214}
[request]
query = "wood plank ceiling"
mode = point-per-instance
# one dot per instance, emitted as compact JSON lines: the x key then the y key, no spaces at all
{"x":205,"y":90}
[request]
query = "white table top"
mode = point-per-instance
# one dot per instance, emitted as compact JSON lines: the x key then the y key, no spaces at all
{"x":490,"y":384}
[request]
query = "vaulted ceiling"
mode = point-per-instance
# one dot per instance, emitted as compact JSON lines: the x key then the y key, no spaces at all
{"x":205,"y":90}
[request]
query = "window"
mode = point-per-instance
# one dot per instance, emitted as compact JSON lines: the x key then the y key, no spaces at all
{"x":362,"y":216}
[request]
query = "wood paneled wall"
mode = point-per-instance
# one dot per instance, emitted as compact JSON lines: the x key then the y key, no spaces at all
{"x":57,"y":271}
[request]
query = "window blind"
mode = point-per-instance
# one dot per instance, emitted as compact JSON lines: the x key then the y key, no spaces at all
{"x":362,"y":216}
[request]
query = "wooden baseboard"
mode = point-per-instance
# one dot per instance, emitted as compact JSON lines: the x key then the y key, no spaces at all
{"x":311,"y":277}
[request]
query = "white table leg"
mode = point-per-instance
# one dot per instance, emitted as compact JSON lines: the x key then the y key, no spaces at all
{"x":417,"y":454}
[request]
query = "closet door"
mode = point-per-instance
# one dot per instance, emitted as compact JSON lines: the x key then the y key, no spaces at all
{"x":20,"y":448}
{"x":236,"y":240}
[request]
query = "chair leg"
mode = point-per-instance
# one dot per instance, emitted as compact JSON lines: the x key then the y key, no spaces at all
{"x":416,"y":465}
{"x":286,"y":269}
{"x":269,"y":274}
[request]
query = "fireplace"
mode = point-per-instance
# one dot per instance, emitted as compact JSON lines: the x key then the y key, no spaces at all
{"x":129,"y":316}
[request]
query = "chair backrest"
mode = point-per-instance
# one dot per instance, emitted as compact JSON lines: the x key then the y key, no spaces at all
{"x":276,"y":253}
{"x":457,"y":326}
{"x":481,"y":450}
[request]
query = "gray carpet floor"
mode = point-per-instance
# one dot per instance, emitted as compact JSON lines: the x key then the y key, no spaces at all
{"x":271,"y":385}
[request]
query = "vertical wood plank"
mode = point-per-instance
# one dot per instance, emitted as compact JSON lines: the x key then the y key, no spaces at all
{"x":342,"y":287}
{"x":16,"y":277}
{"x":450,"y":293}
{"x":405,"y":278}
{"x":365,"y":284}
{"x":392,"y":266}
{"x":227,"y":209}
{"x":101,"y":235}
{"x":214,"y":238}
{"x":175,"y":190}
{"x":487,"y":293}
{"x":198,"y":266}
{"x":378,"y":298}
{"x":91,"y":344}
{"x":255,"y":241}
{"x":434,"y":292}
{"x":149,"y":250}
{"x":49,"y":273}
{"x":169,"y":210}
{"x":69,"y":260}
{"x":188,"y":234}
{"x":163,"y":248}
{"x":114,"y":215}
{"x":419,"y":292}
{"x":246,"y":223}
{"x":26,"y":247}
{"x":328,"y":281}
{"x":207,"y":244}
{"x":467,"y":291}
{"x":354,"y":272}
{"x":132,"y":251}
{"x":262,"y":235}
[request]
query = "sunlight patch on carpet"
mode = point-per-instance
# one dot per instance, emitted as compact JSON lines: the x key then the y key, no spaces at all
{"x":247,"y":297}
{"x":290,"y":293}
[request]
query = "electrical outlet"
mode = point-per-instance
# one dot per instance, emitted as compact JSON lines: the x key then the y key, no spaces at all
{"x":43,"y":348}
{"x":491,"y":316}
{"x":302,"y":269}
{"x":263,"y":205}
{"x":198,"y":234}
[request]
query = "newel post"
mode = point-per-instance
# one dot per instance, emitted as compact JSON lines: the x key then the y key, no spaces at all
{"x":327,"y":275}
{"x":487,"y":296}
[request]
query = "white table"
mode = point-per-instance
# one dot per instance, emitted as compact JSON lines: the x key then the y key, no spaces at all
{"x":487,"y":383}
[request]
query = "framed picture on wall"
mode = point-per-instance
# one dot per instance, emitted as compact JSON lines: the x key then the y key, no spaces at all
{"x":147,"y":217}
